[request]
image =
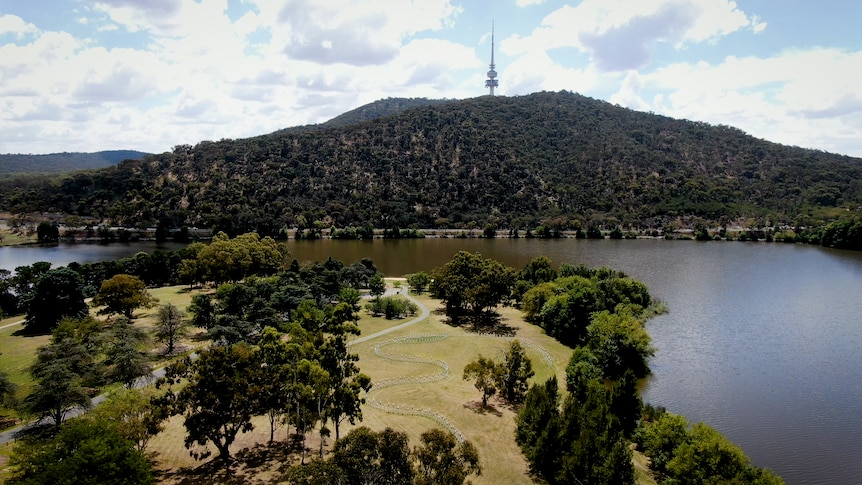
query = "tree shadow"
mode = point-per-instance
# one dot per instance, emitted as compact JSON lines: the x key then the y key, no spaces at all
{"x":485,"y":323}
{"x":25,"y":331}
{"x":247,"y":466}
{"x":478,"y":408}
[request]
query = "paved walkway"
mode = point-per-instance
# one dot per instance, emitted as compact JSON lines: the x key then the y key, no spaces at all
{"x":20,"y":322}
{"x":422,"y":316}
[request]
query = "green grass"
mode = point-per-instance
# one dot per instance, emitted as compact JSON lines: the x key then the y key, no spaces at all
{"x":9,"y":238}
{"x":19,"y":352}
{"x":18,"y":355}
{"x":491,"y":429}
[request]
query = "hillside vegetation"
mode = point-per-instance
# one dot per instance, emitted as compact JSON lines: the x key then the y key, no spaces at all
{"x":19,"y":164}
{"x":552,"y":159}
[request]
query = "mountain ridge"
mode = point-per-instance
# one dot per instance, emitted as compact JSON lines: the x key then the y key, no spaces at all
{"x":557,"y":159}
{"x":21,"y":163}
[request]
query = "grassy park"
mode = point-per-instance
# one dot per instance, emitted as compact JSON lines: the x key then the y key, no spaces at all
{"x":403,"y":401}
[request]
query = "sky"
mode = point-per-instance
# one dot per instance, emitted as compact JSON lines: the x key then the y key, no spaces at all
{"x":89,"y":75}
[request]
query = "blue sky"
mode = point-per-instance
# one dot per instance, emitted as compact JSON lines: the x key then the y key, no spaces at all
{"x":86,"y":75}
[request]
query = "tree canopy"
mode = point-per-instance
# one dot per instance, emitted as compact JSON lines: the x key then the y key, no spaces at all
{"x":123,"y":294}
{"x":55,"y":295}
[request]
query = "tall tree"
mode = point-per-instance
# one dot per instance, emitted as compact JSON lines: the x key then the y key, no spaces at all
{"x":60,"y":370}
{"x":7,"y":387}
{"x":171,"y":325}
{"x":219,"y":399}
{"x":515,"y":370}
{"x":123,"y":294}
{"x":56,"y":294}
{"x":204,"y":311}
{"x":537,"y":430}
{"x":278,"y":388}
{"x":124,"y":354}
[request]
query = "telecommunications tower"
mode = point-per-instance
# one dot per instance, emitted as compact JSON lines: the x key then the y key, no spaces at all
{"x":492,"y":82}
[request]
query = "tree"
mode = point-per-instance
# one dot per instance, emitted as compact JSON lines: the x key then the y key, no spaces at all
{"x":60,"y":370}
{"x":539,"y":270}
{"x":56,"y":294}
{"x":419,"y":281}
{"x":620,"y":343}
{"x":469,"y":283}
{"x":347,"y":384}
{"x":47,"y":232}
{"x":279,"y":386}
{"x":515,"y":370}
{"x":171,"y":325}
{"x":365,"y":457}
{"x":580,"y":443}
{"x":203,"y":311}
{"x":7,"y":387}
{"x":537,"y":428}
{"x":441,"y":460}
{"x":219,"y":400}
{"x":484,"y":373}
{"x":377,"y":286}
{"x":316,"y":472}
{"x":626,"y":404}
{"x":86,"y":452}
{"x":133,"y":415}
{"x":123,"y":294}
{"x":123,"y":353}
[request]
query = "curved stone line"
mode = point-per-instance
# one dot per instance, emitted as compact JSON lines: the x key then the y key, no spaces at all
{"x":438,"y":418}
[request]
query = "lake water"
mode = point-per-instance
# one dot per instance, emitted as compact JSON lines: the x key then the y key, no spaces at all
{"x":62,"y":254}
{"x":763,"y":341}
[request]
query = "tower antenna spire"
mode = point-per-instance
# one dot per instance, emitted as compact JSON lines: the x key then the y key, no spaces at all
{"x":492,"y":82}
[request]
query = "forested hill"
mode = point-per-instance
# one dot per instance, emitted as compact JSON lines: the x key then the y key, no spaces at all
{"x":557,"y":159}
{"x":14,"y":164}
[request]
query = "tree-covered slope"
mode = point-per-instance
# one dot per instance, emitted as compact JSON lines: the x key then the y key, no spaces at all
{"x":557,"y":158}
{"x":16,"y":164}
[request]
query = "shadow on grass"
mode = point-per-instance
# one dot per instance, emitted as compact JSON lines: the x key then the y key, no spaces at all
{"x":478,"y":408}
{"x":491,"y":323}
{"x":261,"y":464}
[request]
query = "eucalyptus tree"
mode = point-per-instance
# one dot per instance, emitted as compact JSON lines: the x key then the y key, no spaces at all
{"x":218,"y":400}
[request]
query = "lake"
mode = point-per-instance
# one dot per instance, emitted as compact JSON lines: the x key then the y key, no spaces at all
{"x":763,"y":340}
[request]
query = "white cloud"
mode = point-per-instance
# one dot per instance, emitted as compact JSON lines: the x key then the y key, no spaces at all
{"x":359,"y":33}
{"x":629,"y":94}
{"x":806,"y":98}
{"x":12,"y":24}
{"x":527,"y":3}
{"x":622,"y":35}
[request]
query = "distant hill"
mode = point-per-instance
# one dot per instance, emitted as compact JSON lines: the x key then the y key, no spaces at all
{"x":553,"y":159}
{"x":18,"y":164}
